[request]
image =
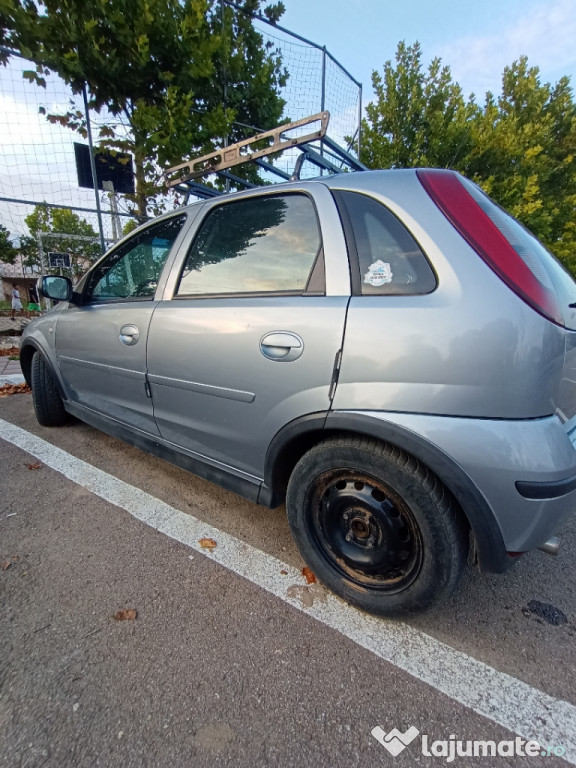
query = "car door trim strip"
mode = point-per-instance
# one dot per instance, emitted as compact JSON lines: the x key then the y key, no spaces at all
{"x":203,"y":389}
{"x":114,"y":370}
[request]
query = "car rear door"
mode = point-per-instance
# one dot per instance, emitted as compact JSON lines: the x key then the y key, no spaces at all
{"x":101,"y":342}
{"x":247,"y":334}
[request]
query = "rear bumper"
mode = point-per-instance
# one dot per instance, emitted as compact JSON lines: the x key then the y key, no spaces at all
{"x":515,"y":480}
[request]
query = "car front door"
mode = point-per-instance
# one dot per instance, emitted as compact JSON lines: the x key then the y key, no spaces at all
{"x":246,"y":337}
{"x":101,"y":342}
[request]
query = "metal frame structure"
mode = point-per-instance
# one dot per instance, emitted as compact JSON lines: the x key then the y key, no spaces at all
{"x":275,"y":27}
{"x":329,"y":157}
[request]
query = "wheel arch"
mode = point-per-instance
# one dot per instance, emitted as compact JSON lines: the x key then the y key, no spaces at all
{"x":294,"y":440}
{"x":27,"y":353}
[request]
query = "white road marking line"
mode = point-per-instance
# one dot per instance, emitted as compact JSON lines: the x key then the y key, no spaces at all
{"x":509,"y":702}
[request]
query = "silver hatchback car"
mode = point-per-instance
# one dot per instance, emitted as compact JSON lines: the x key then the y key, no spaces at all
{"x":388,"y":352}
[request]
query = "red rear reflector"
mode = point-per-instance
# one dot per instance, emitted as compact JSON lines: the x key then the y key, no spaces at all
{"x":447,"y":190}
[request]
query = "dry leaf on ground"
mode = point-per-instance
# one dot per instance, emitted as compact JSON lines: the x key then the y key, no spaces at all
{"x":126,"y":614}
{"x":14,"y":389}
{"x":9,"y":352}
{"x":308,"y":575}
{"x":34,"y":466}
{"x":207,"y":543}
{"x":284,"y":573}
{"x":7,"y":563}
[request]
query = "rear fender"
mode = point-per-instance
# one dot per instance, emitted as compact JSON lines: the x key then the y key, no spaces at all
{"x":300,"y":435}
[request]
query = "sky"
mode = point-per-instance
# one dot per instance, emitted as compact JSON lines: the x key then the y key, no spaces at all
{"x":476,"y":39}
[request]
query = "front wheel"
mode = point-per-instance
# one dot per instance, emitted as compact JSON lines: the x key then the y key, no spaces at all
{"x":376,"y":526}
{"x":48,"y":403}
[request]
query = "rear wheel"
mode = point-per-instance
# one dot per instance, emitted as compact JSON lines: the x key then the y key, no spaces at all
{"x":48,"y":403}
{"x":376,"y":526}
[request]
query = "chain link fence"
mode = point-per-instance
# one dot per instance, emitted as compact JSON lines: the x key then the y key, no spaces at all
{"x":37,"y":161}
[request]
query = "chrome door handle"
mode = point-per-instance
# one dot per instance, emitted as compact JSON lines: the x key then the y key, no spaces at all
{"x":129,"y":335}
{"x":281,"y":346}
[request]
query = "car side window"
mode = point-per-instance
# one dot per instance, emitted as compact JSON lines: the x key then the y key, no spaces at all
{"x":389,"y":259}
{"x":132,"y":271}
{"x":264,"y":244}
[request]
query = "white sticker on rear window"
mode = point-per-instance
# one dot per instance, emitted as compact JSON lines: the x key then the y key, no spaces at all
{"x":378,"y":273}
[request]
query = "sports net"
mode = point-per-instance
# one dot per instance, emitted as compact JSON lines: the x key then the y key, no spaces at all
{"x":37,"y":160}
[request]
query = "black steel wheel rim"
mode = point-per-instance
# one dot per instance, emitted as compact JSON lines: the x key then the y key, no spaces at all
{"x":364,"y":530}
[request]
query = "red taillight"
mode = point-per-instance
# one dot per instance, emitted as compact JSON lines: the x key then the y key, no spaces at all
{"x":480,"y":225}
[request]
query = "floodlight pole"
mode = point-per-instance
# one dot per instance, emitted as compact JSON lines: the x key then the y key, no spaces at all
{"x":93,"y":169}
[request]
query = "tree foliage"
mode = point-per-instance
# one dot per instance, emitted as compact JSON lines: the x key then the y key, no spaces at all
{"x":60,"y":221}
{"x":7,"y":250}
{"x":520,"y":146}
{"x":418,"y":117}
{"x":178,"y":75}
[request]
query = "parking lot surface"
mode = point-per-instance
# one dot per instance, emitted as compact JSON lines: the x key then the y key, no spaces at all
{"x":232,"y":658}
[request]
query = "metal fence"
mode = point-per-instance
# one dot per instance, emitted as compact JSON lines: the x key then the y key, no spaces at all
{"x":37,"y":162}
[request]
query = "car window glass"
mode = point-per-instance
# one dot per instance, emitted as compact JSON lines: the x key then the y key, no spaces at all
{"x":132,"y":272}
{"x":390,"y":260}
{"x":262,"y":244}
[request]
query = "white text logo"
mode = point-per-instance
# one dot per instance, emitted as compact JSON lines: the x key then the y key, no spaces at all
{"x":395,"y":741}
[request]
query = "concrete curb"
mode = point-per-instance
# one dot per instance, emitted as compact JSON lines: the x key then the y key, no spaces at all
{"x":17,"y":378}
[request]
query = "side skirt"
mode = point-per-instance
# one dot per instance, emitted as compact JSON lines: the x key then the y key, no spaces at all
{"x":243,"y":485}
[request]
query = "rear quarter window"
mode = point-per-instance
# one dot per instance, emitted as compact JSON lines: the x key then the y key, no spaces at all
{"x":386,"y":258}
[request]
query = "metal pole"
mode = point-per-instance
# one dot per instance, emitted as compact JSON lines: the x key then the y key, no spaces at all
{"x":116,"y":221}
{"x":108,"y":186}
{"x":323,"y":96}
{"x":323,"y":99}
{"x":359,"y":118}
{"x":40,"y":251}
{"x":41,"y":254}
{"x":44,"y":204}
{"x":93,"y":168}
{"x":224,"y":76}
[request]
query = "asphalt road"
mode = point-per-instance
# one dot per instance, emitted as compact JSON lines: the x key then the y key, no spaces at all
{"x":215,"y":669}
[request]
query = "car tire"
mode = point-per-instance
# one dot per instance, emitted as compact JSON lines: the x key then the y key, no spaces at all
{"x":376,"y":526}
{"x":48,"y":403}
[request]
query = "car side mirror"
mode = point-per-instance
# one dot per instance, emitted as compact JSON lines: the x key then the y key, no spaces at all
{"x":55,"y":288}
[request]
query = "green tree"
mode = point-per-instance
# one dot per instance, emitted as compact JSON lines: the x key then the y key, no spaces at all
{"x":130,"y":226}
{"x":520,"y":147}
{"x":7,"y":250}
{"x":523,"y":154}
{"x":419,"y":117}
{"x":54,"y":224}
{"x":176,"y":75}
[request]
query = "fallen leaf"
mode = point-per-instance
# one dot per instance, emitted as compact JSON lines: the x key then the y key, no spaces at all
{"x":34,"y":466}
{"x":284,"y":573}
{"x":308,"y":575}
{"x":207,"y":543}
{"x":126,"y":614}
{"x":7,"y":563}
{"x":9,"y":352}
{"x":14,"y":389}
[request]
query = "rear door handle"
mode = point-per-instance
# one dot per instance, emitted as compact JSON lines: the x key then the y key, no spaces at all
{"x":281,"y":346}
